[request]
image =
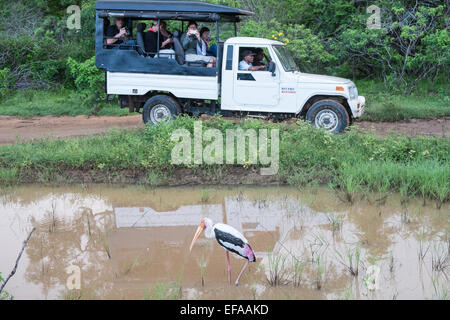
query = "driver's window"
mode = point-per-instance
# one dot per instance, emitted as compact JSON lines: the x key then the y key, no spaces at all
{"x":254,"y":59}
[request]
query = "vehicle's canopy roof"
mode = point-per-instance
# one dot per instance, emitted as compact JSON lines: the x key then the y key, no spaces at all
{"x":247,"y":41}
{"x":173,"y":10}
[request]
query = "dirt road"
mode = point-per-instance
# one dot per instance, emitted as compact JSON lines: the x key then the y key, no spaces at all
{"x":14,"y":129}
{"x":429,"y":128}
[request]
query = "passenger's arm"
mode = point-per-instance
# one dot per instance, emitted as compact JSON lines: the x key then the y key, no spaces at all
{"x":167,"y":42}
{"x":116,"y":37}
{"x":112,"y":41}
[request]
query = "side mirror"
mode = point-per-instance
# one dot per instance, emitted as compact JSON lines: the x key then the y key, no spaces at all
{"x":272,"y":68}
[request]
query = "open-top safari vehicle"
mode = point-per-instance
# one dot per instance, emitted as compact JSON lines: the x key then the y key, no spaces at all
{"x":165,"y":85}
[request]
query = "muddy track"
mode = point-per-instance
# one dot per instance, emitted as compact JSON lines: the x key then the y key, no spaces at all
{"x":14,"y":129}
{"x":415,"y":127}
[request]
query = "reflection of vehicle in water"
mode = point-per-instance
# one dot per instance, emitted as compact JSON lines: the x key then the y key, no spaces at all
{"x":259,"y":223}
{"x":165,"y":84}
{"x":163,"y":234}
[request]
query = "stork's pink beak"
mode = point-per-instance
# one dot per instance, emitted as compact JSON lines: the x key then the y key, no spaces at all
{"x":198,"y":233}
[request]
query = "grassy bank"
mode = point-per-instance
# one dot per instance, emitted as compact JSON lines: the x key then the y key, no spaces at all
{"x":427,"y":101}
{"x":29,"y":103}
{"x":351,"y":163}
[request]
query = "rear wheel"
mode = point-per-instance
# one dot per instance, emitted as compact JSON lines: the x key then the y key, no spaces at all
{"x":160,"y":109}
{"x":328,"y":115}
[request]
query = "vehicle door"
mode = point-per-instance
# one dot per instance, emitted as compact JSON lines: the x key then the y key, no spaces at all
{"x":258,"y":89}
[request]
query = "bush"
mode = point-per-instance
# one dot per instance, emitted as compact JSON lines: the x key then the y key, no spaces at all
{"x":86,"y":75}
{"x":324,"y":36}
{"x":333,"y":37}
{"x":35,"y":42}
{"x":7,"y":82}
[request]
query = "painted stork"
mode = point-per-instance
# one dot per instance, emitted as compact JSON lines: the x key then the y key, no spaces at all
{"x":230,"y":239}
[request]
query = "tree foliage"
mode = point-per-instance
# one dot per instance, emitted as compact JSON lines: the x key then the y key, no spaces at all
{"x":325,"y":36}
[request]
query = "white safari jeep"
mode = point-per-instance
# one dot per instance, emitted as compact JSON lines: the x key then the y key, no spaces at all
{"x":164,"y":85}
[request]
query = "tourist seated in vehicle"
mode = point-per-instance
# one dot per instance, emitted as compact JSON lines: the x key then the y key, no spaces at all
{"x":167,"y":36}
{"x":247,"y":62}
{"x":203,"y":49}
{"x":119,"y":35}
{"x":190,"y":40}
{"x":151,"y":38}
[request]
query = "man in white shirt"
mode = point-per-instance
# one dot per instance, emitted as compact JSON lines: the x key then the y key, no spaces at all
{"x":247,"y":63}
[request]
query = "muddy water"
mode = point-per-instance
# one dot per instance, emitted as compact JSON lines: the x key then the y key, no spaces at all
{"x":133,"y":243}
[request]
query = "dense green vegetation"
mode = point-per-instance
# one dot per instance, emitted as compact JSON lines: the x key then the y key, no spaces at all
{"x":353,"y":163}
{"x":38,"y":51}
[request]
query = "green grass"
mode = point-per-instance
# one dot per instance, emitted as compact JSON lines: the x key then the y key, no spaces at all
{"x":29,"y":103}
{"x":277,"y":270}
{"x":8,"y":176}
{"x":350,"y":259}
{"x":440,"y":289}
{"x":164,"y":291}
{"x":297,"y":271}
{"x":352,"y":163}
{"x":427,"y":101}
{"x":4,"y":295}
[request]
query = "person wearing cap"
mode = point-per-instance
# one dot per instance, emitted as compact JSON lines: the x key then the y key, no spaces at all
{"x":247,"y":63}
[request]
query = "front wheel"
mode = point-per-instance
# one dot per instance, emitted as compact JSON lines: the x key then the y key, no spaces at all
{"x":159,"y":109}
{"x":328,"y":115}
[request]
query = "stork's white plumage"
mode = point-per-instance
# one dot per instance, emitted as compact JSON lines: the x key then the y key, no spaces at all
{"x":230,"y":239}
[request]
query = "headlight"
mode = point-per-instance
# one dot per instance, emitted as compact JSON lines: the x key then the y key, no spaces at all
{"x":353,"y":92}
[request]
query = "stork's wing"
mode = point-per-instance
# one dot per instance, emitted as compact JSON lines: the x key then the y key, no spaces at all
{"x":229,"y":229}
{"x":233,"y":241}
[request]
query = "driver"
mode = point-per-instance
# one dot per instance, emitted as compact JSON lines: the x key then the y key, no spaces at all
{"x":247,"y":63}
{"x":259,"y":57}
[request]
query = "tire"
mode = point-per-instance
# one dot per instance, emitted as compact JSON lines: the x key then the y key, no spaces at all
{"x":159,"y":109}
{"x":328,"y":115}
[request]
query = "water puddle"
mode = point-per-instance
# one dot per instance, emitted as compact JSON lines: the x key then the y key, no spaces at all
{"x":133,"y":243}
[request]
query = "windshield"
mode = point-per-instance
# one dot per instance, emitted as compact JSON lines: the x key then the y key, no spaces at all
{"x":286,"y":59}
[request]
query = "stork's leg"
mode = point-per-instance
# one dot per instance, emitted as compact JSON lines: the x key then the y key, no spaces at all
{"x":245,"y":266}
{"x":229,"y":267}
